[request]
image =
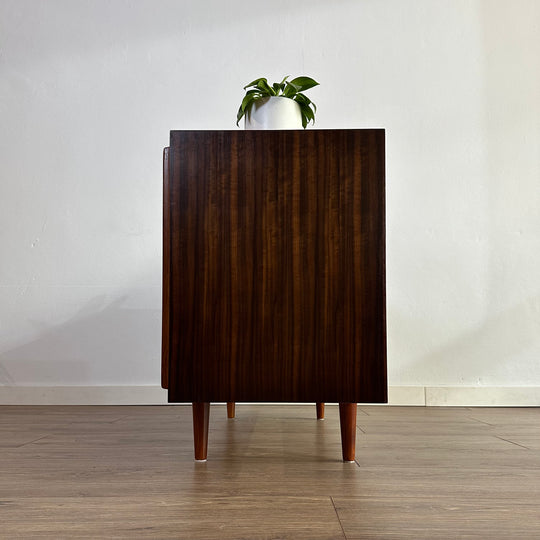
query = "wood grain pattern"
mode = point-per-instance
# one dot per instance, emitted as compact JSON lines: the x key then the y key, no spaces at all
{"x":201,"y":419}
{"x":463,"y":517}
{"x":277,"y":274}
{"x":347,"y":420}
{"x":196,"y":518}
{"x":128,"y":472}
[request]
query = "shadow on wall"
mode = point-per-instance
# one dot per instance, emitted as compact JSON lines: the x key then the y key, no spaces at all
{"x":105,"y":343}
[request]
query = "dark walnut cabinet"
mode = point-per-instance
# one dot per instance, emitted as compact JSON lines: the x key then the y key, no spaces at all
{"x":274,"y":271}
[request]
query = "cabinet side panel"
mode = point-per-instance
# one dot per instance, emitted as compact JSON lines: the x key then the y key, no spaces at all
{"x":277,"y":266}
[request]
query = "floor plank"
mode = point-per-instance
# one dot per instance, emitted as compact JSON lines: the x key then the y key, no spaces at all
{"x":169,"y":517}
{"x":272,"y":472}
{"x":438,"y":518}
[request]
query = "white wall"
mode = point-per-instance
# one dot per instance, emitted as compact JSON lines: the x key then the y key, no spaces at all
{"x":90,"y":89}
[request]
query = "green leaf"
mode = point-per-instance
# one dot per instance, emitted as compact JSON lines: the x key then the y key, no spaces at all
{"x":307,"y":115}
{"x":239,"y":115}
{"x":305,"y":120}
{"x":304,"y":83}
{"x":253,"y":92}
{"x":283,"y":81}
{"x":247,"y":102}
{"x":290,"y":90}
{"x":265,"y":88}
{"x":302,"y":99}
{"x":255,"y":82}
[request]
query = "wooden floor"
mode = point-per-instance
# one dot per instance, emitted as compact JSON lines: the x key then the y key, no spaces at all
{"x":273,"y":472}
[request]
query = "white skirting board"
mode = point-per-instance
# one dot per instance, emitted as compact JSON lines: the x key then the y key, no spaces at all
{"x":514,"y":396}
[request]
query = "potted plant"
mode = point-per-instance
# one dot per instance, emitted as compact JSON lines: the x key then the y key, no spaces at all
{"x":278,"y":106}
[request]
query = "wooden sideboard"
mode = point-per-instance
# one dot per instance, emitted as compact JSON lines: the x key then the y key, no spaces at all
{"x":274,"y":271}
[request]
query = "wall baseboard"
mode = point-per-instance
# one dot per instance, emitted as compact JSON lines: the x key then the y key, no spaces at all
{"x":82,"y":395}
{"x":485,"y":396}
{"x":455,"y":396}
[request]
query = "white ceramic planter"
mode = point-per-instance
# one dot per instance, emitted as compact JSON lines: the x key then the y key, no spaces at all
{"x":274,"y":113}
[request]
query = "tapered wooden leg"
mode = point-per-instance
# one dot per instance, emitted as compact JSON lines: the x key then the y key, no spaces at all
{"x":347,"y":419}
{"x":230,"y":409}
{"x":201,"y":415}
{"x":320,"y":411}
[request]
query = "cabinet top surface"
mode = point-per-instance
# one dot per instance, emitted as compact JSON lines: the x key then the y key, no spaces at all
{"x":239,"y":130}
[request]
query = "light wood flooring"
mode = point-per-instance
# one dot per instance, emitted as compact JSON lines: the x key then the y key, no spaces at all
{"x":273,"y":472}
